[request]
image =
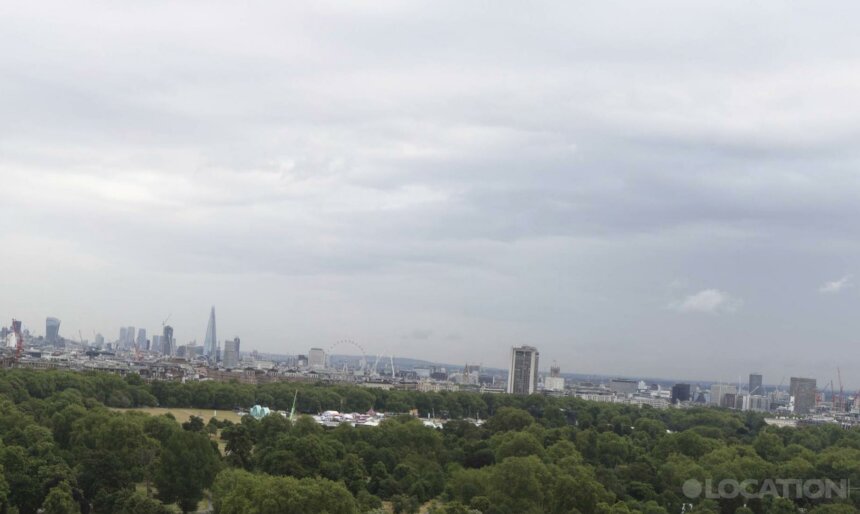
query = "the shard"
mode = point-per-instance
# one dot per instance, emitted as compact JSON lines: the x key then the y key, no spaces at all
{"x":211,"y":340}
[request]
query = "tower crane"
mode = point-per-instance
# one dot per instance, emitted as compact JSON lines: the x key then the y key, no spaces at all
{"x":822,"y":395}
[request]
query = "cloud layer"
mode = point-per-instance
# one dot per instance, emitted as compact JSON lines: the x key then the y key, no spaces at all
{"x":508,"y":174}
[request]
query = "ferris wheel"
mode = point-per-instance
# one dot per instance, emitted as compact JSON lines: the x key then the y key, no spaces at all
{"x":362,"y":363}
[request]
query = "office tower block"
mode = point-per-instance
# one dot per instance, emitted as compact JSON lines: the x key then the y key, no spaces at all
{"x":680,"y":393}
{"x":316,"y":358}
{"x":803,"y":391}
{"x":231,"y":353}
{"x":719,"y":391}
{"x":52,"y":330}
{"x":755,"y":386}
{"x":522,"y":373}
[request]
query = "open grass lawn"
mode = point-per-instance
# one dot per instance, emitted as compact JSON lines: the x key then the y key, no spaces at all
{"x":183,"y":415}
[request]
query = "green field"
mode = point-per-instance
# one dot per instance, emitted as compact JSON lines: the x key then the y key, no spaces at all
{"x":183,"y":415}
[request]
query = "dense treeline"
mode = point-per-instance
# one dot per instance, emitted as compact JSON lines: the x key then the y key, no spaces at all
{"x":63,"y":450}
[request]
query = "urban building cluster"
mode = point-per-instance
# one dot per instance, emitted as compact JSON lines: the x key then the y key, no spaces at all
{"x":158,"y":356}
{"x":801,"y":402}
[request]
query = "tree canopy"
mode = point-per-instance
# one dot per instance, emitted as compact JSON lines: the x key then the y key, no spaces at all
{"x":64,"y":449}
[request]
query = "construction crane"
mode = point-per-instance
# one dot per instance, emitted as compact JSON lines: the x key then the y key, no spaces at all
{"x":822,"y":395}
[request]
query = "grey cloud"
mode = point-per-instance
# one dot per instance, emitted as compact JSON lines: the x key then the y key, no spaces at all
{"x":510,"y":174}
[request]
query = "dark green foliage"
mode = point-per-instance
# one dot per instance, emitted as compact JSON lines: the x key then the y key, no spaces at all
{"x":61,"y":501}
{"x":194,"y":424}
{"x":139,"y":503}
{"x":127,"y":501}
{"x":240,"y":492}
{"x":62,"y":449}
{"x":188,"y":465}
{"x":240,"y":443}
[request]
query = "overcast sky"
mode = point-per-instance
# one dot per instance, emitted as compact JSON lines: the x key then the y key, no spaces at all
{"x":636,"y":188}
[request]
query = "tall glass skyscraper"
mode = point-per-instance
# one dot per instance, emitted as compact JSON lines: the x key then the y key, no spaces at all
{"x":141,"y":339}
{"x":168,"y":346}
{"x":211,"y":341}
{"x":52,"y":330}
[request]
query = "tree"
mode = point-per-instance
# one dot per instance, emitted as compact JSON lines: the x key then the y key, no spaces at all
{"x":240,"y":492}
{"x":508,"y":419}
{"x":61,"y":501}
{"x":188,"y":465}
{"x":833,"y":508}
{"x":128,"y":501}
{"x":480,"y":503}
{"x":160,"y":428}
{"x":358,"y":400}
{"x":113,"y":451}
{"x":194,"y":424}
{"x":353,"y":473}
{"x":768,"y":446}
{"x":140,"y":503}
{"x":578,"y":490}
{"x":239,"y":446}
{"x":404,"y":504}
{"x":21,"y":476}
{"x":517,"y":444}
{"x":4,"y":490}
{"x":521,"y":484}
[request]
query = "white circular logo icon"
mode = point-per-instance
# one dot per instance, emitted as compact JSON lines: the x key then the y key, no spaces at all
{"x":692,"y":488}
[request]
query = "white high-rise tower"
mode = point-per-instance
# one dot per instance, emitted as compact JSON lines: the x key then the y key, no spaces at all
{"x":522,"y":374}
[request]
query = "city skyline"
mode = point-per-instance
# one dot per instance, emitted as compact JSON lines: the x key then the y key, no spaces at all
{"x":639,"y":194}
{"x":756,"y":379}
